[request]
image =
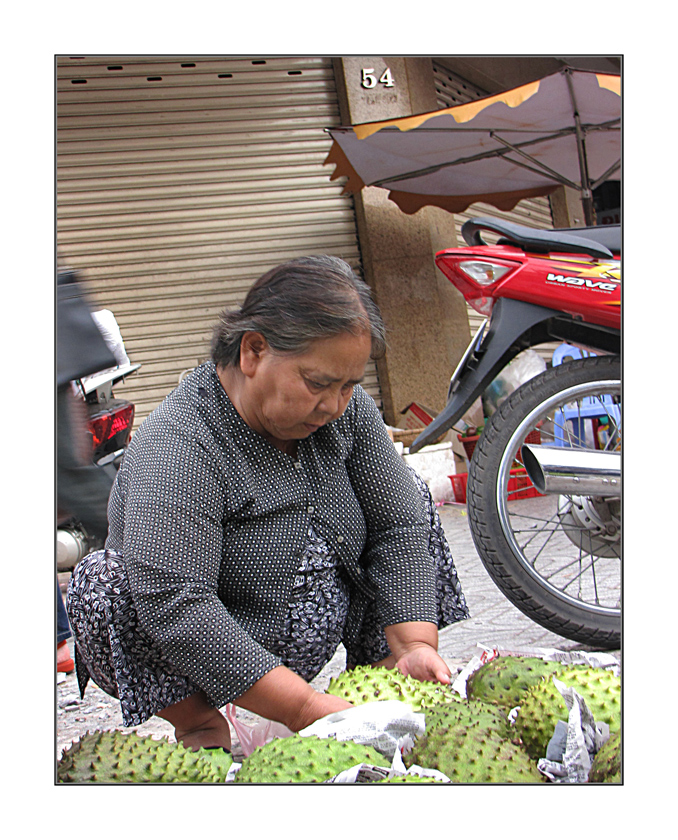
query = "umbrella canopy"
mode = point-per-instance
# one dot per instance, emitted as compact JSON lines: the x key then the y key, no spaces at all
{"x":525,"y":142}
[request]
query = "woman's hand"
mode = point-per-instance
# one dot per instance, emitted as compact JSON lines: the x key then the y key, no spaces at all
{"x":423,"y":663}
{"x":414,"y":645}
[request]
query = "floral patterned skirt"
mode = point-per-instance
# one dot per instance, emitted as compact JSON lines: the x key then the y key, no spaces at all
{"x":112,"y":650}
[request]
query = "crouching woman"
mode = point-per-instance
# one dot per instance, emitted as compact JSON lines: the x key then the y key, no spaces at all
{"x":262,"y":517}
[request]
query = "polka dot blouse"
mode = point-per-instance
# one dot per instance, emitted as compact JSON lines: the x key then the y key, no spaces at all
{"x":212,"y":521}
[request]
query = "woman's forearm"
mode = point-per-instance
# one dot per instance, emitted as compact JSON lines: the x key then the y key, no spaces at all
{"x":402,"y":637}
{"x":283,"y":696}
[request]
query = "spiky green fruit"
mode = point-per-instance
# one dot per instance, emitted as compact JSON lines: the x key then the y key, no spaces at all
{"x":413,"y":777}
{"x":305,"y":759}
{"x":542,"y":706}
{"x":505,"y":679}
{"x":365,"y":684}
{"x":473,"y":754}
{"x":110,"y":757}
{"x":606,"y":766}
{"x":219,"y":760}
{"x":468,"y":713}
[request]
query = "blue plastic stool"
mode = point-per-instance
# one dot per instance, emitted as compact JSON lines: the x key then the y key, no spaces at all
{"x":589,"y":408}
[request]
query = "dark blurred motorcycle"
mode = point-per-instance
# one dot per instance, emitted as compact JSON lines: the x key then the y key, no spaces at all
{"x":93,"y":426}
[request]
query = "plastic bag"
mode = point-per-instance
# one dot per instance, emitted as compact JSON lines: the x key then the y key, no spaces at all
{"x":524,"y":367}
{"x":251,"y":736}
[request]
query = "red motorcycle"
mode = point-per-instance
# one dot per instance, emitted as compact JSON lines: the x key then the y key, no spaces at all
{"x":544,"y":483}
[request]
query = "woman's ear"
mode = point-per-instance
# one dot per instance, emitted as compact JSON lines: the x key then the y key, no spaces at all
{"x":252,"y":347}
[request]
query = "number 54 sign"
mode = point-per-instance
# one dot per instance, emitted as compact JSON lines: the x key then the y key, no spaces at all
{"x":369,"y":80}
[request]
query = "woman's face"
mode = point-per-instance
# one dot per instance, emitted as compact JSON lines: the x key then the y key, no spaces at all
{"x":288,"y":397}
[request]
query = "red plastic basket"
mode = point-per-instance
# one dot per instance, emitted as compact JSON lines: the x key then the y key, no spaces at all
{"x":469,"y":444}
{"x":459,"y":487}
{"x":519,"y":486}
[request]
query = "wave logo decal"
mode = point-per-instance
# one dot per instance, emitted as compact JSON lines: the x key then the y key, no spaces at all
{"x":605,"y":277}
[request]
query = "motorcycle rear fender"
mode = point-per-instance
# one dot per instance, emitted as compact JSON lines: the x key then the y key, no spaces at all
{"x":514,"y":327}
{"x":104,"y":381}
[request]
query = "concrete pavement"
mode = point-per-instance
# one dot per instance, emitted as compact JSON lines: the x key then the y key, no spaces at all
{"x":494,"y":620}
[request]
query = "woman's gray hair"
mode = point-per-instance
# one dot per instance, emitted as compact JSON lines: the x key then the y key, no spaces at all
{"x":298,"y":302}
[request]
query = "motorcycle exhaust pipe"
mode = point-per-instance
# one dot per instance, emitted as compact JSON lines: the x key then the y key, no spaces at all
{"x":580,"y":472}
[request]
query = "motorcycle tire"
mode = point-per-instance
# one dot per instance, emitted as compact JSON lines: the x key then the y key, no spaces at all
{"x":556,"y":558}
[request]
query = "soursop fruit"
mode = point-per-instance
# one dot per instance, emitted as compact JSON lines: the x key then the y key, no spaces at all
{"x":542,"y":706}
{"x":304,"y":759}
{"x":106,"y":757}
{"x":606,"y":766}
{"x":468,"y":713}
{"x":473,"y":754}
{"x":219,"y":760}
{"x":505,"y":679}
{"x":412,"y":777}
{"x":365,"y":684}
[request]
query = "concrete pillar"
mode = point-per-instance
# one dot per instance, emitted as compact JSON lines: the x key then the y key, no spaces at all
{"x":567,"y":209}
{"x":425,"y":316}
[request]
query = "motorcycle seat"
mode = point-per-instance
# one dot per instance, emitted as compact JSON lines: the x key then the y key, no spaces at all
{"x":607,"y":235}
{"x":595,"y":241}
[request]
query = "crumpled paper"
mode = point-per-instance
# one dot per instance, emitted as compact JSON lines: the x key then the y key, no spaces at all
{"x":385,"y":725}
{"x":583,"y":739}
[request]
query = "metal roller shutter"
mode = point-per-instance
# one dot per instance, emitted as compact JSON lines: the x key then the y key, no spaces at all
{"x":532,"y":212}
{"x":181,"y":180}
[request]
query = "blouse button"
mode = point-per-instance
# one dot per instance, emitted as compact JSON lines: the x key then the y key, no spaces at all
{"x":297,"y":465}
{"x":311,"y":508}
{"x":340,"y":538}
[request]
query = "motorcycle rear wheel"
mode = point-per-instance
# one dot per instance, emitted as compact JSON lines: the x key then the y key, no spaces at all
{"x":556,"y":558}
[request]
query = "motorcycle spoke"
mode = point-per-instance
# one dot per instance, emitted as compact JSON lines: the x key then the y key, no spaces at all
{"x":579,"y":578}
{"x":541,"y":526}
{"x":539,"y":538}
{"x":576,"y":561}
{"x":535,"y":517}
{"x":584,"y":564}
{"x":595,"y":581}
{"x":543,"y":547}
{"x":576,"y":579}
{"x":534,"y":534}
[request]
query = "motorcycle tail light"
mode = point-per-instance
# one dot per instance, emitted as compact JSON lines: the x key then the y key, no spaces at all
{"x":476,"y":276}
{"x":99,"y":427}
{"x":483,"y":272}
{"x":122,"y":420}
{"x":483,"y":305}
{"x":110,"y":424}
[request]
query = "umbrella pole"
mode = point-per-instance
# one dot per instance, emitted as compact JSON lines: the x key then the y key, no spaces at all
{"x":586,"y":192}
